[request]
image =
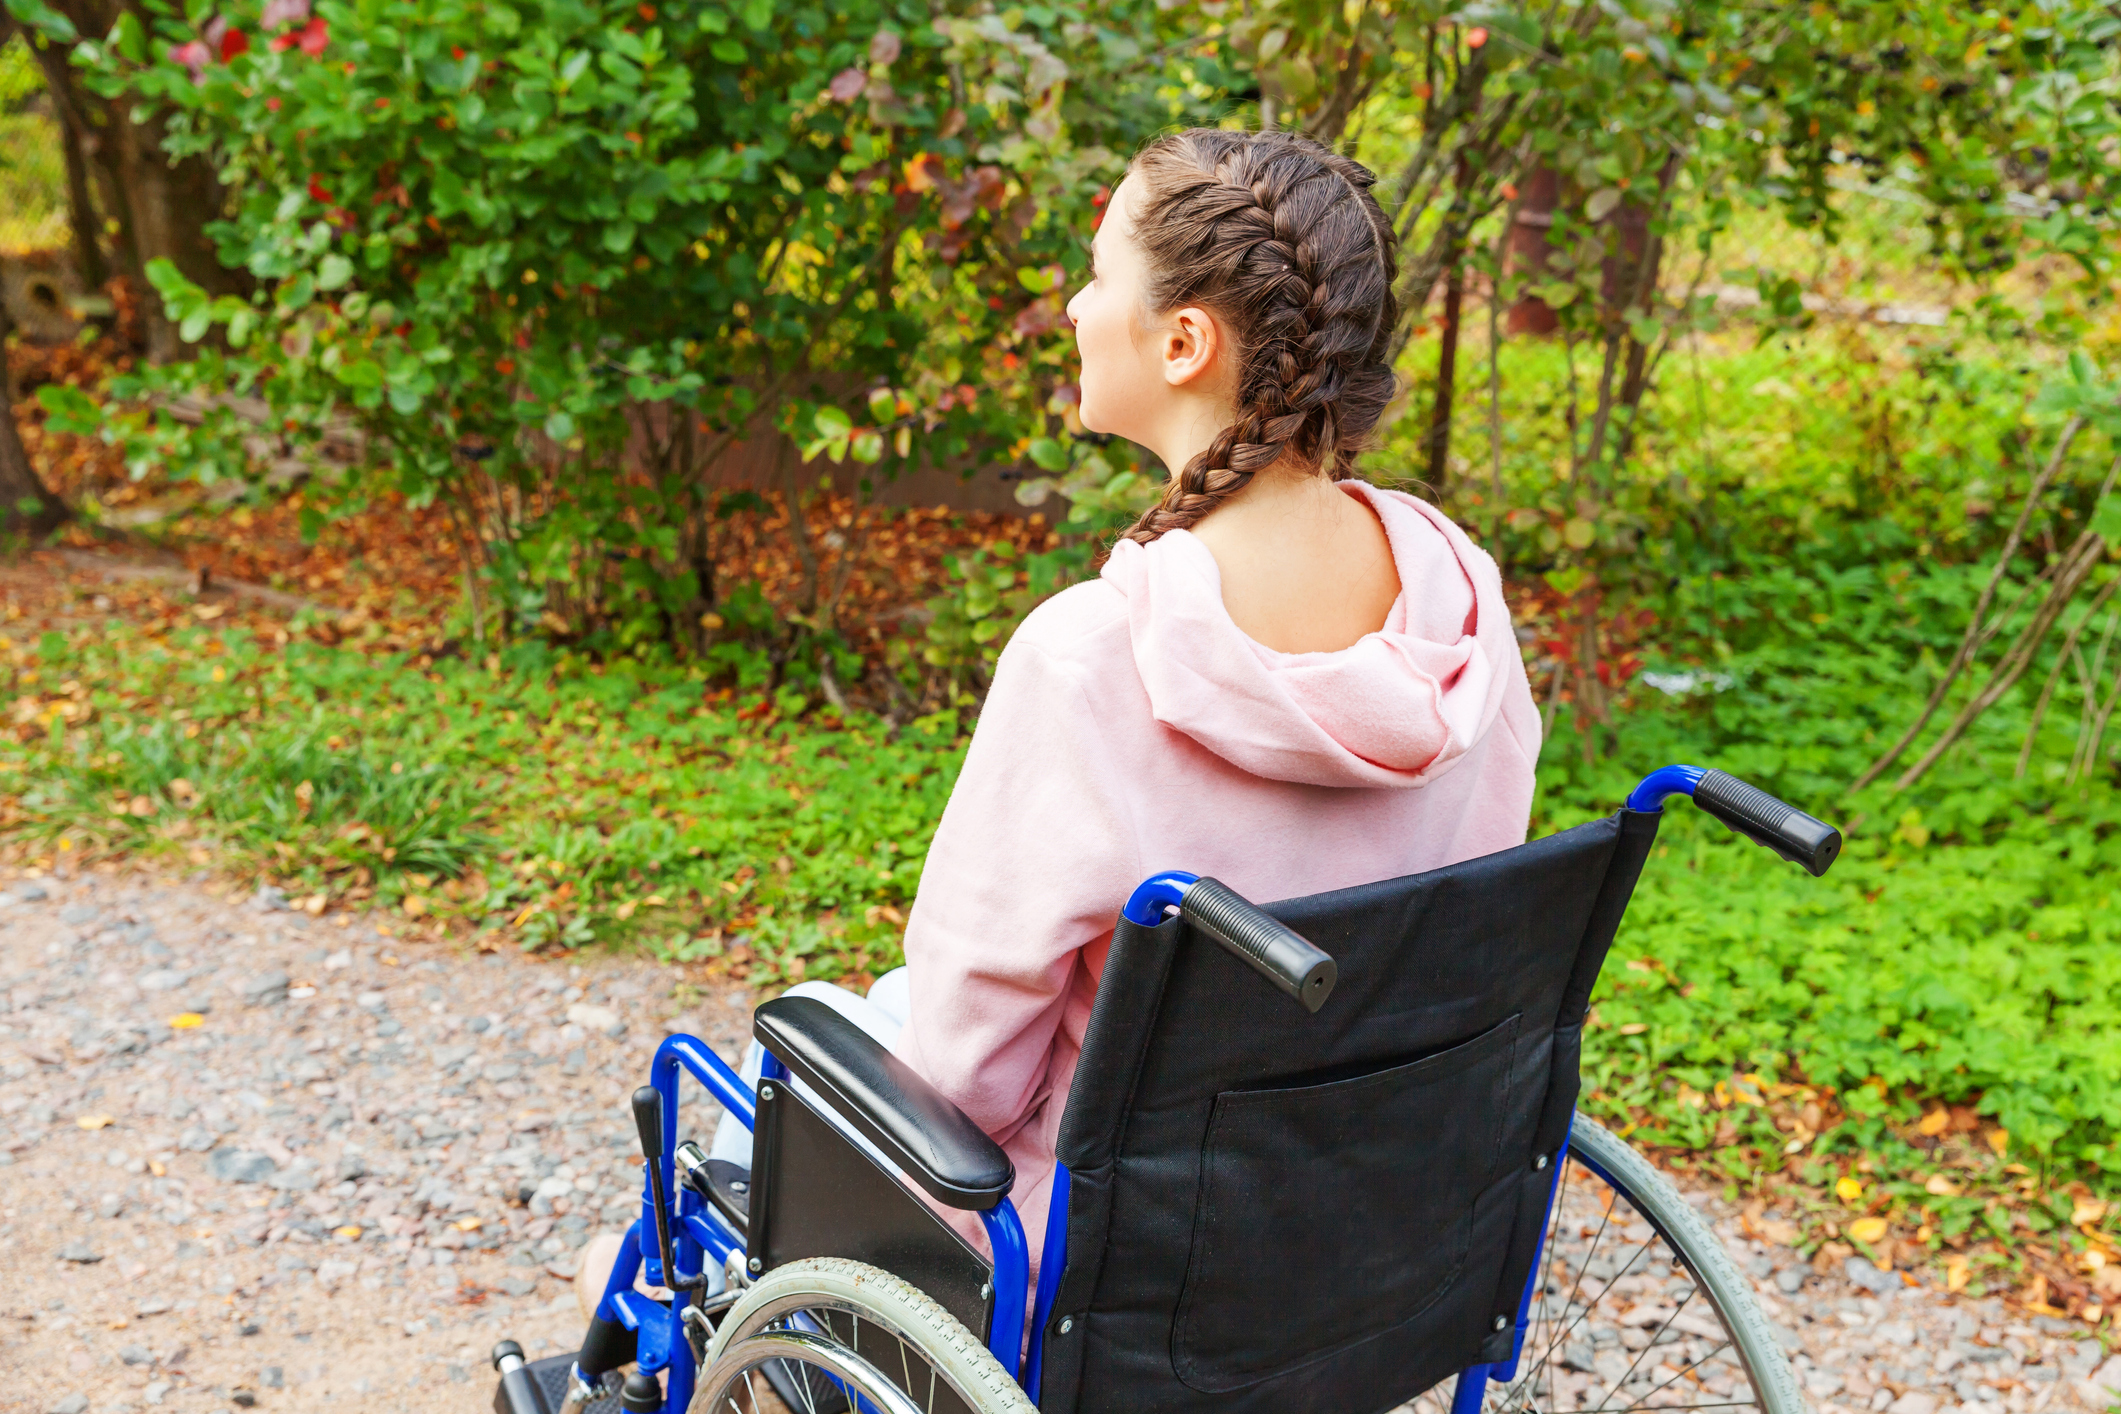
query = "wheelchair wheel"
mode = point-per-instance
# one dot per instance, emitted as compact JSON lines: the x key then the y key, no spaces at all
{"x":1639,"y":1306}
{"x":817,"y":1336}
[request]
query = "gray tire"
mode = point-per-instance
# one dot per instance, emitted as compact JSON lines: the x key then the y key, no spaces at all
{"x":1729,"y":1291}
{"x":867,"y":1330}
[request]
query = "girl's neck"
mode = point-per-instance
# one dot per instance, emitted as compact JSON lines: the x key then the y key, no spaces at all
{"x":1306,"y":568}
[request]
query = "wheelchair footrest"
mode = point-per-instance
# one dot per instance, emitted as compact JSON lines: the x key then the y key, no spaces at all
{"x":550,"y":1376}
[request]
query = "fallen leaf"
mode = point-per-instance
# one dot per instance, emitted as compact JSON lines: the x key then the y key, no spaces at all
{"x":1780,"y":1231}
{"x":470,"y":1224}
{"x":1867,"y":1230}
{"x":2087,"y":1211}
{"x":95,"y":1121}
{"x":414,"y":906}
{"x":157,"y":1168}
{"x":186,"y":1021}
{"x":350,"y":1230}
{"x":1848,"y":1190}
{"x":2000,"y":1141}
{"x":1633,"y":1028}
{"x":1957,"y":1273}
{"x":314,"y":904}
{"x":1940,"y":1187}
{"x":1935,"y":1123}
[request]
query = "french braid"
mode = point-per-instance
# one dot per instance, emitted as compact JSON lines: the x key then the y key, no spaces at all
{"x":1282,"y":240}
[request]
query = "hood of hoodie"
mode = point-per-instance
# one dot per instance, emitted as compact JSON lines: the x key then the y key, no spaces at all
{"x":1397,"y":708}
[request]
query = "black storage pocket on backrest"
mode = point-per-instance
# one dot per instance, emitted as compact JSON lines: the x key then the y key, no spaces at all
{"x":1330,"y":1214}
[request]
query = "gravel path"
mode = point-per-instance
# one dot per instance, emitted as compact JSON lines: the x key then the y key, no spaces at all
{"x":367,"y":1160}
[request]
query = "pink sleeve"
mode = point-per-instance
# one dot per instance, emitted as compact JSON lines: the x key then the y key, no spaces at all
{"x":1035,"y":853}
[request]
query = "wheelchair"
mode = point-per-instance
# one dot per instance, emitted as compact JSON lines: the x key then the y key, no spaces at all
{"x":1318,"y":1155}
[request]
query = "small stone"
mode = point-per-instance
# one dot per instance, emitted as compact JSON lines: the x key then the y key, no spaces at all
{"x":196,"y":1141}
{"x":269,"y":899}
{"x":330,"y":1272}
{"x":156,"y":1390}
{"x":265,"y":989}
{"x":79,"y":1252}
{"x":160,"y":979}
{"x":1861,"y":1271}
{"x":72,"y":1404}
{"x":272,"y":1378}
{"x":153,"y":1306}
{"x":136,"y":1355}
{"x":2103,"y":1385}
{"x":1790,"y":1280}
{"x":77,"y":914}
{"x":593,"y":1017}
{"x":1824,"y":1383}
{"x":565,"y":1265}
{"x":240,"y":1166}
{"x":369,"y":1001}
{"x":518,"y":1286}
{"x":1913,"y":1402}
{"x":31,"y":892}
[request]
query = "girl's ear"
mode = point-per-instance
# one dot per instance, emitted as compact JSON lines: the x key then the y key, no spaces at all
{"x":1192,"y":346}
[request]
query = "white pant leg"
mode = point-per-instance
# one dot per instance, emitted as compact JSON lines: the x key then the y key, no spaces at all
{"x":732,"y":1142}
{"x":892,"y":994}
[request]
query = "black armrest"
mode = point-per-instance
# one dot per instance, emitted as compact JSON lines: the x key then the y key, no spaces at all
{"x":934,"y":1141}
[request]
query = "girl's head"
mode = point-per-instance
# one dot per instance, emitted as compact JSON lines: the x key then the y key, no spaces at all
{"x":1241,"y":297}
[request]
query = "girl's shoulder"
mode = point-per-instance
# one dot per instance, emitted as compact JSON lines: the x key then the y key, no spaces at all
{"x":1085,"y":624}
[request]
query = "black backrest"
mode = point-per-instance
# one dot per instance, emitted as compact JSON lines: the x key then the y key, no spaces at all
{"x":1275,"y":1211}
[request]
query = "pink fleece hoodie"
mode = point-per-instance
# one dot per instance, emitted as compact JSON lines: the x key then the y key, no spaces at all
{"x":1132,"y":727}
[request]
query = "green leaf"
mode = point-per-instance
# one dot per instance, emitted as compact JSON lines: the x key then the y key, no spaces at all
{"x":333,"y":271}
{"x":1035,"y":280}
{"x":618,"y":237}
{"x":1049,"y":454}
{"x":758,"y":13}
{"x":559,"y":427}
{"x":831,"y":422}
{"x":195,"y":325}
{"x":2106,"y":520}
{"x":729,"y":51}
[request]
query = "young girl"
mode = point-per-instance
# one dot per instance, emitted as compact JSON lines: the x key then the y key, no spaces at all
{"x":1284,"y":677}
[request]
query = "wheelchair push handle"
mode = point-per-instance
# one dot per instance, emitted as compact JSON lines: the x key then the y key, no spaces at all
{"x":1749,"y":810}
{"x":1275,"y":950}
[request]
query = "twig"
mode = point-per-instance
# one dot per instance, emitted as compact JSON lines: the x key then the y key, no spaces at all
{"x":1971,"y":643}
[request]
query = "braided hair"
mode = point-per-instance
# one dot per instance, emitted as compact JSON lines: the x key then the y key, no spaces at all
{"x":1281,"y":239}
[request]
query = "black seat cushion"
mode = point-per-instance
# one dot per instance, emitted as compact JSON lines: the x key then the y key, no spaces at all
{"x":1275,"y":1211}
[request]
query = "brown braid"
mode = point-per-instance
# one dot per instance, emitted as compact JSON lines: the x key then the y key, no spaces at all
{"x":1281,"y":239}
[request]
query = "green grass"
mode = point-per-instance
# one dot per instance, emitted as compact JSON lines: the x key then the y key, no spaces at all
{"x":561,"y":801}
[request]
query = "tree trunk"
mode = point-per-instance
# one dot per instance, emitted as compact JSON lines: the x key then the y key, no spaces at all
{"x":25,"y":502}
{"x":161,"y":207}
{"x":1454,"y":291}
{"x":1528,"y":247}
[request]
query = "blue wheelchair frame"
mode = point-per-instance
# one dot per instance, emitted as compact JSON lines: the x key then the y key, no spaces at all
{"x":701,"y":1234}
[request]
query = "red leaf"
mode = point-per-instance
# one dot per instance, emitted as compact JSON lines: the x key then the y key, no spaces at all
{"x":314,"y":36}
{"x":318,"y":192}
{"x":847,"y":85}
{"x":233,"y":43}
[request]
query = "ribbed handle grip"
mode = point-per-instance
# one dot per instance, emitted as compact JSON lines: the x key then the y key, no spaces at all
{"x":1280,"y":954}
{"x":1760,"y":817}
